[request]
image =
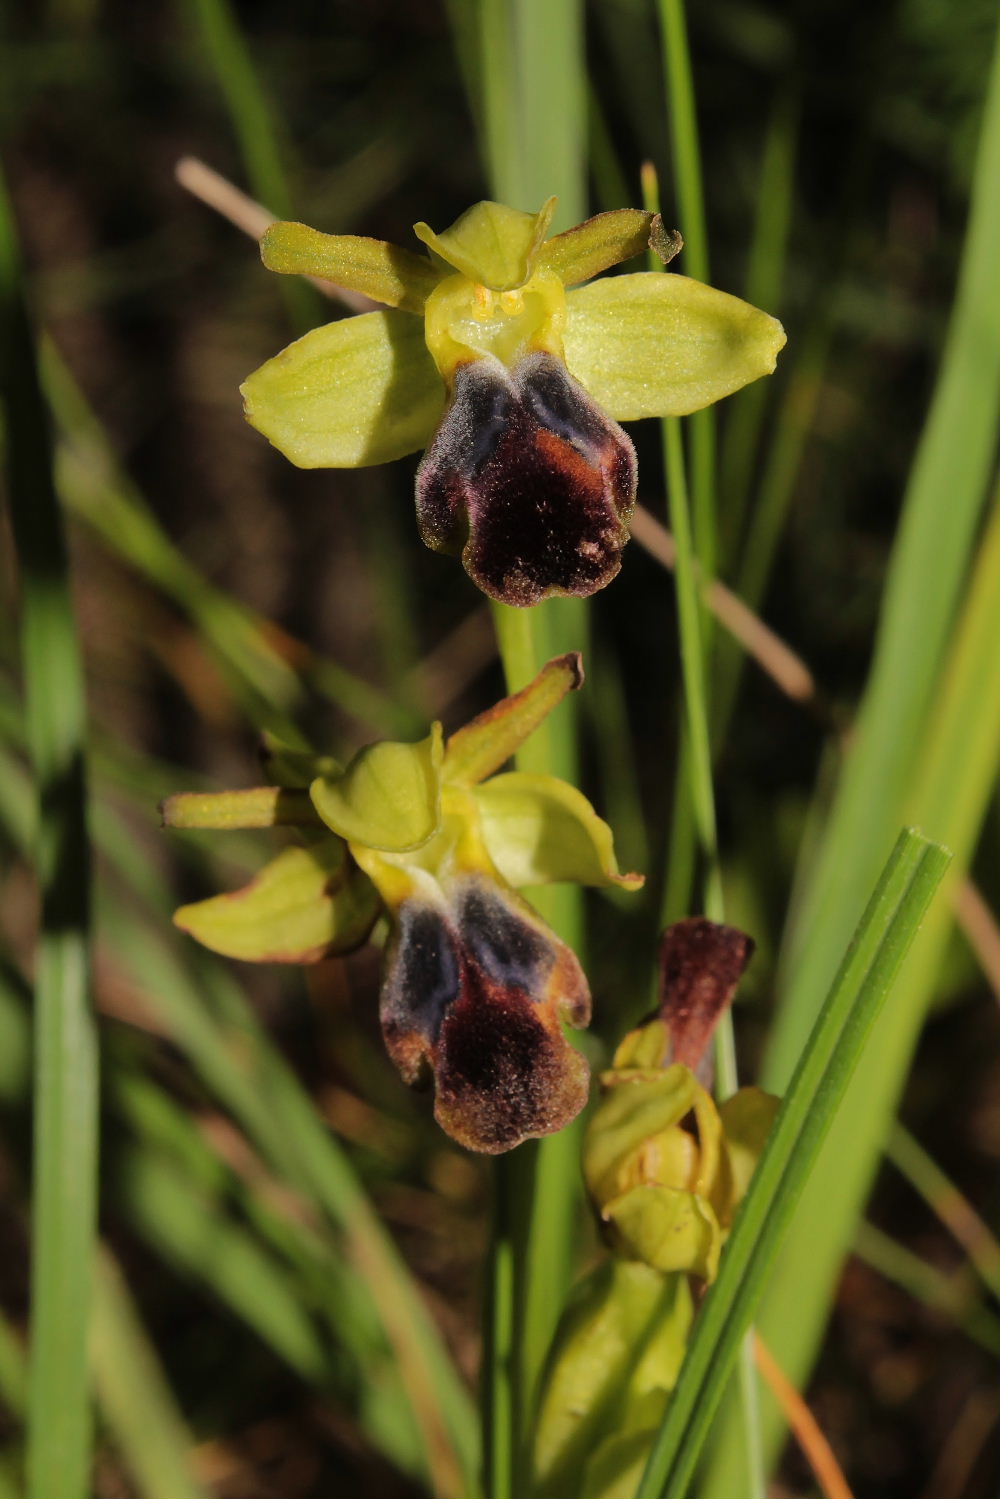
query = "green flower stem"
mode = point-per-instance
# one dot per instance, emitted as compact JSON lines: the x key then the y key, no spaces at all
{"x":888,"y":926}
{"x":696,"y":761}
{"x":531,"y":74}
{"x":66,"y":1066}
{"x":686,"y":158}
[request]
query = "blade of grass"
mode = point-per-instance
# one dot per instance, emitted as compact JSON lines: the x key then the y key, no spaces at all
{"x":66,"y":1063}
{"x":135,"y":1398}
{"x":924,"y":749}
{"x":222,"y":42}
{"x":766,"y":264}
{"x":251,"y":650}
{"x":924,"y":586}
{"x":947,"y":1203}
{"x":928,"y":1285}
{"x":867,"y":972}
{"x":686,"y":156}
{"x":698,"y":791}
{"x":949,"y":793}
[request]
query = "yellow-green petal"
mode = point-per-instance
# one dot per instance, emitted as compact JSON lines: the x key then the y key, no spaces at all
{"x":655,"y":344}
{"x":539,"y":830}
{"x":388,"y":798}
{"x":379,"y":270}
{"x":481,"y":746}
{"x":306,"y":904}
{"x":361,"y":391}
{"x":591,"y":247}
{"x":492,"y":244}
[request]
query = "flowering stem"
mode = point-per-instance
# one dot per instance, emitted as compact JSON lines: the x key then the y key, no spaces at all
{"x":697,"y":757}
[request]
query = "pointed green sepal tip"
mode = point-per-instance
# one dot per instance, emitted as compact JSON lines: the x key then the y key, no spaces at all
{"x":388,"y":798}
{"x":491,"y":244}
{"x":349,"y":394}
{"x":379,"y":270}
{"x":489,"y":740}
{"x":305,"y":905}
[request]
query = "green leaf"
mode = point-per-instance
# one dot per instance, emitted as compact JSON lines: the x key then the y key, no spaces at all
{"x":379,"y":270}
{"x":491,"y":244}
{"x":600,"y":242}
{"x":487,"y":741}
{"x":389,"y":797}
{"x":539,"y":830}
{"x":304,"y":905}
{"x":361,"y":391}
{"x":664,"y":345}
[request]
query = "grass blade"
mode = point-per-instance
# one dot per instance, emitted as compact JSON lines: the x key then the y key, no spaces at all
{"x":867,"y":972}
{"x":134,"y":1395}
{"x":65,"y":1120}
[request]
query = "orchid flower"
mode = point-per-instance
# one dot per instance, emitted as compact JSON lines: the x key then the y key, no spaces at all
{"x":511,"y":367}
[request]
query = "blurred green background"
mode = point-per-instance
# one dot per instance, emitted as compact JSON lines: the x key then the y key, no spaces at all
{"x":219,"y":591}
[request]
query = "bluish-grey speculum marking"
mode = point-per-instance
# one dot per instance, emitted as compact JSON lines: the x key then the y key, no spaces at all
{"x":504,"y":946}
{"x":426,"y":976}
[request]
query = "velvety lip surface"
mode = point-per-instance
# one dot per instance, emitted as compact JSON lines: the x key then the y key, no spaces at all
{"x":530,"y":480}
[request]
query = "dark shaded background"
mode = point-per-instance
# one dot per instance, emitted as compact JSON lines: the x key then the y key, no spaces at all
{"x":160,"y":309}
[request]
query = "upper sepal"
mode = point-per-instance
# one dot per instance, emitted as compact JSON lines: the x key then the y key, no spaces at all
{"x":307,"y":904}
{"x":389,"y":797}
{"x":491,"y":244}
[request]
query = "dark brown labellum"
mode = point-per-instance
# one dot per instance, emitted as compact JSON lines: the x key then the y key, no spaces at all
{"x":530,"y":480}
{"x":475,"y":992}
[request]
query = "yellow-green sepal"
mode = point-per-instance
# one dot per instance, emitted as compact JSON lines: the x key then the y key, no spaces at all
{"x":617,"y":1352}
{"x":746,"y":1120}
{"x":373,"y":267}
{"x":633,"y":1137}
{"x":602,"y":241}
{"x":388,"y":798}
{"x":664,"y":345}
{"x":667,"y":1228}
{"x":259,"y":807}
{"x":489,"y":740}
{"x":540,"y":830}
{"x":361,"y":391}
{"x":491,"y":244}
{"x":304,"y":905}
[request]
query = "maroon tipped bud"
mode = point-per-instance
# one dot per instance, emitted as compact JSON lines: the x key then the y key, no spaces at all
{"x":475,"y":993}
{"x":530,"y":480}
{"x":701,"y":963}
